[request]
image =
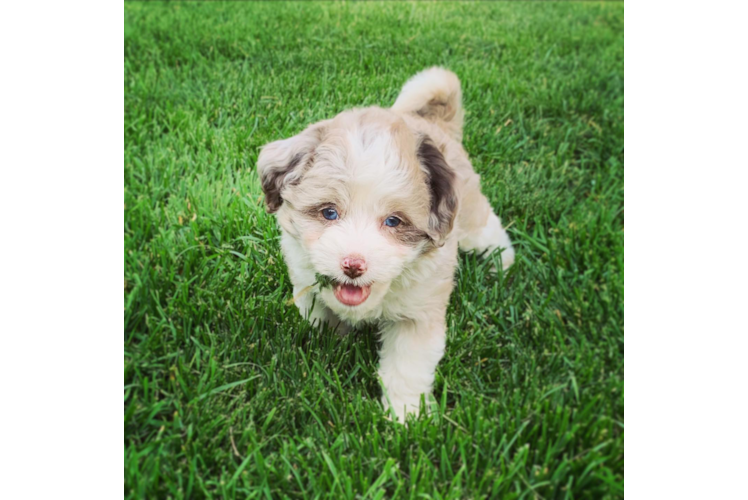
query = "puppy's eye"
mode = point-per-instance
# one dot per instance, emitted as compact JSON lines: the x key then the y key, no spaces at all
{"x":392,"y":221}
{"x":329,"y":213}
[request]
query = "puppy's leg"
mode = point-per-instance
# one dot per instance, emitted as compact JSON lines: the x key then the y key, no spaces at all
{"x":489,"y":238}
{"x":408,"y":358}
{"x":303,"y":276}
{"x":482,"y":230}
{"x":317,"y":313}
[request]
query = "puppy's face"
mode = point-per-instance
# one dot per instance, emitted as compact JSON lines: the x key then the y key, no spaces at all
{"x":364,"y":196}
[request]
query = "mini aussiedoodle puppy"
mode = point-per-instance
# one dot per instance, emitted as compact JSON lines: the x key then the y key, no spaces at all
{"x":376,"y":202}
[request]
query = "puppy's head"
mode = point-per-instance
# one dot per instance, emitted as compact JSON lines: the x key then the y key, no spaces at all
{"x":364,"y":196}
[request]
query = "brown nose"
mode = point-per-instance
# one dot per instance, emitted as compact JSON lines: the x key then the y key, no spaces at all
{"x":353,"y":266}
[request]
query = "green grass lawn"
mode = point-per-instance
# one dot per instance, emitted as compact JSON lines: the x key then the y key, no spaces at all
{"x":229,"y":393}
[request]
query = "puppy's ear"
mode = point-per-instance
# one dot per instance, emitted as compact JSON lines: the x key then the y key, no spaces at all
{"x":282,"y":162}
{"x":441,"y":181}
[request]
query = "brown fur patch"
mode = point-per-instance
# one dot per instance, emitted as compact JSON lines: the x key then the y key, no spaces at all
{"x":278,"y":162}
{"x":315,"y":211}
{"x":441,"y":180}
{"x":272,"y":183}
{"x":406,"y":233}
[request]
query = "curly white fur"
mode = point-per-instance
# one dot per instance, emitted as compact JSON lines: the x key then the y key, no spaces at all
{"x":370,"y":164}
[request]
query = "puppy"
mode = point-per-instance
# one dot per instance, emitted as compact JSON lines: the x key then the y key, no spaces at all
{"x":378,"y":201}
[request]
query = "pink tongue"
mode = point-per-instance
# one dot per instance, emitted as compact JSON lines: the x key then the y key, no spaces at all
{"x":351,"y":295}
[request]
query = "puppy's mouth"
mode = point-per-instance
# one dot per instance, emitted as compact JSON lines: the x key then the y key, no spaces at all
{"x":351,"y":295}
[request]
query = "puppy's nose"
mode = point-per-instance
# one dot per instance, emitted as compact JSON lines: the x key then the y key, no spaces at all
{"x":353,"y":266}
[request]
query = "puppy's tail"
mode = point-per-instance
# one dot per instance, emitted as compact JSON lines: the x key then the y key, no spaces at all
{"x":435,"y":95}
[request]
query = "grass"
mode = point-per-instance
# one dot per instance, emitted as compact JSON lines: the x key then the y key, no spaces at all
{"x":229,"y":393}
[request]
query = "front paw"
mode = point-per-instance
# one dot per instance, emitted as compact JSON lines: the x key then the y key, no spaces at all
{"x":399,"y":408}
{"x":320,"y":317}
{"x":329,"y":321}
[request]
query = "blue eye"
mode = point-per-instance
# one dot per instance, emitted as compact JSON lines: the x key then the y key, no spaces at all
{"x":392,"y":221}
{"x":329,"y":213}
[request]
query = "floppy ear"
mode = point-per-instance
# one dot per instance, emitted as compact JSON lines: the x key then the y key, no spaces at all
{"x":282,"y":162}
{"x":441,"y":181}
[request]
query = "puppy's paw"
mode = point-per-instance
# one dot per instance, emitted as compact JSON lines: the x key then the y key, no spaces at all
{"x":398,"y":411}
{"x":321,"y":317}
{"x":490,"y":239}
{"x":400,"y":408}
{"x":506,"y":259}
{"x":332,"y":324}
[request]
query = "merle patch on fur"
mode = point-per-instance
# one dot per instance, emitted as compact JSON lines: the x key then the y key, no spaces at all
{"x":406,"y":233}
{"x":441,"y":179}
{"x":272,"y":184}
